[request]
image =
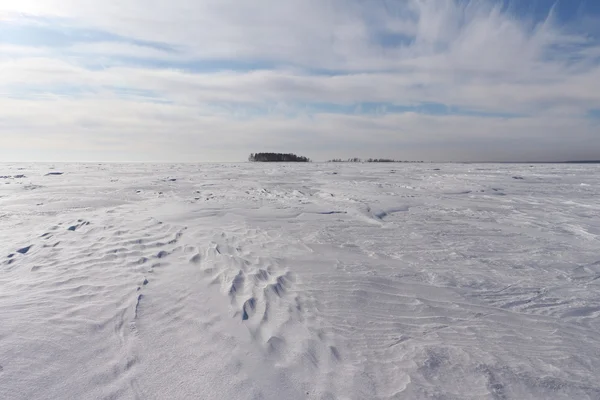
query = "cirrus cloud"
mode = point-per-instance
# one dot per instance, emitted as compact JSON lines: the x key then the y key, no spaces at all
{"x":418,"y":79}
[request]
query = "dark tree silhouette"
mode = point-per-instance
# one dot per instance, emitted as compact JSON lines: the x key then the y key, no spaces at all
{"x":277,"y":157}
{"x":355,"y":159}
{"x":369,"y":160}
{"x":381,"y":160}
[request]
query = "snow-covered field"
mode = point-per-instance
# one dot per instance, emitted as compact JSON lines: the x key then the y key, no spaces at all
{"x":299,"y":281}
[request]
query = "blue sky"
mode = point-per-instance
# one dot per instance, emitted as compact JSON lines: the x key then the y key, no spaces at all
{"x":185,"y":80}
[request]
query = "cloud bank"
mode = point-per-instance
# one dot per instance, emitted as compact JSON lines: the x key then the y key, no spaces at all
{"x":442,"y":80}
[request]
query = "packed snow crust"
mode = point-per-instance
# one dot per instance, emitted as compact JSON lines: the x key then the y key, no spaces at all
{"x":299,"y":281}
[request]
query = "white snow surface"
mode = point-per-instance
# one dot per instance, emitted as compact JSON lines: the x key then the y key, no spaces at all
{"x":299,"y":281}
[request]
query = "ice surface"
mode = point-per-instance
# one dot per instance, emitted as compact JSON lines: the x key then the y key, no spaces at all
{"x":299,"y":281}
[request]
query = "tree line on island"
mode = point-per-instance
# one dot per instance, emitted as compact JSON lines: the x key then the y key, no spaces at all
{"x":290,"y":157}
{"x":371,"y":160}
{"x":277,"y":157}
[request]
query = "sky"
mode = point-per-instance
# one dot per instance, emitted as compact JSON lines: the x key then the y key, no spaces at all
{"x":214,"y":80}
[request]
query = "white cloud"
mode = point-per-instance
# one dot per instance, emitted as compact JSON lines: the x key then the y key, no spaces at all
{"x":470,"y":56}
{"x":108,"y":50}
{"x":159,"y":132}
{"x":267,"y":86}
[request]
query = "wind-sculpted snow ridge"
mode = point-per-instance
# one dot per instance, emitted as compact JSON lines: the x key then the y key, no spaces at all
{"x":305,"y":281}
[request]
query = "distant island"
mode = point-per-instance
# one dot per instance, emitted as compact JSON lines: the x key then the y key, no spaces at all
{"x":371,"y":160}
{"x":277,"y":157}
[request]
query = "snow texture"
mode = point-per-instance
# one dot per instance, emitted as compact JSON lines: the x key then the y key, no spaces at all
{"x":299,"y":281}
